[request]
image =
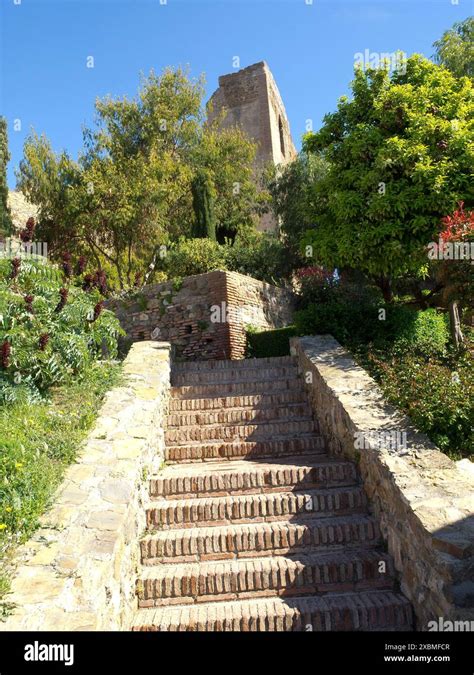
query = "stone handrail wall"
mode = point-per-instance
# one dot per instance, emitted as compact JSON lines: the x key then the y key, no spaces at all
{"x":204,"y":316}
{"x":423,"y":502}
{"x":78,"y":571}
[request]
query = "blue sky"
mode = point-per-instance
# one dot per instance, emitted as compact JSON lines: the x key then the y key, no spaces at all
{"x":44,"y":81}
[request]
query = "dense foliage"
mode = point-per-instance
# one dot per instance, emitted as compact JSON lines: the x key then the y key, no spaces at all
{"x":437,"y":394}
{"x":295,"y":196}
{"x":258,"y":255}
{"x":269,"y":343}
{"x":356,"y":316}
{"x":50,"y":328}
{"x":131,"y":188}
{"x":400,"y":157}
{"x":455,"y":48}
{"x":203,"y":205}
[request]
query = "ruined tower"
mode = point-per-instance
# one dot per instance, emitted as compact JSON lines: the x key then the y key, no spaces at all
{"x":252,"y":101}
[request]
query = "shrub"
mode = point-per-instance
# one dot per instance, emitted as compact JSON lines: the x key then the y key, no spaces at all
{"x":260,"y":256}
{"x":440,"y":402}
{"x":50,"y":329}
{"x":425,"y":333}
{"x":355,"y":318}
{"x":316,"y":285}
{"x":267,"y":343}
{"x":348,"y":321}
{"x":193,"y":256}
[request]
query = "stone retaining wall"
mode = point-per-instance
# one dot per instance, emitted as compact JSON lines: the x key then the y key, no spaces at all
{"x":422,"y":500}
{"x":78,"y":571}
{"x":204,"y":316}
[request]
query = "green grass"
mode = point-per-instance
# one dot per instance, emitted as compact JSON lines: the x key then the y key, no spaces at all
{"x":37,"y":443}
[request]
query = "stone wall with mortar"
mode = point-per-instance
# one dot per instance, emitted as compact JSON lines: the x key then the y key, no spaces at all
{"x":423,"y":501}
{"x":204,"y":316}
{"x":78,"y":572}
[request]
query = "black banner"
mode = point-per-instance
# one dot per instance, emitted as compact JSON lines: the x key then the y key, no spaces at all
{"x":220,"y":652}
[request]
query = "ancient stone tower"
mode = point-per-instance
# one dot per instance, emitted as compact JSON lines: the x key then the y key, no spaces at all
{"x":251,"y":100}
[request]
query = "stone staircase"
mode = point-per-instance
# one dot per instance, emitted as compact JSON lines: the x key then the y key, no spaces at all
{"x":251,"y":525}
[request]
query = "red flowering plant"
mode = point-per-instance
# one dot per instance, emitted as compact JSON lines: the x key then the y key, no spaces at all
{"x":454,"y":267}
{"x":459,"y":226}
{"x":67,"y":265}
{"x":81,"y":265}
{"x":314,"y":282}
{"x":27,"y":234}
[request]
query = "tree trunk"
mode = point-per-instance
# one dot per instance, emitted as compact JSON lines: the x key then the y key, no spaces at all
{"x":418,"y":295}
{"x":455,"y":324}
{"x":385,"y":285}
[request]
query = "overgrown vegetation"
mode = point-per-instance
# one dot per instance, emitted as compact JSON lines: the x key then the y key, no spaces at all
{"x":258,"y":255}
{"x":132,"y":187}
{"x":37,"y":443}
{"x":56,"y":342}
{"x":50,"y":327}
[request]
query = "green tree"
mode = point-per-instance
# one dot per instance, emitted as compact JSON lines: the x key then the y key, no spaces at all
{"x":5,"y":217}
{"x":455,"y":48}
{"x":227,"y":156}
{"x":400,"y":157}
{"x":131,"y":188}
{"x":203,"y":205}
{"x":294,"y":194}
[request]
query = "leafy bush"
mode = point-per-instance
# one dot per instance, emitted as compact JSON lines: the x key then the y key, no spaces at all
{"x":257,"y":255}
{"x":260,"y":256}
{"x":268,"y":343}
{"x":315,"y":285}
{"x":193,"y":256}
{"x":425,"y":333}
{"x":358,"y":316}
{"x":349,"y":321}
{"x":439,"y":401}
{"x":50,"y":328}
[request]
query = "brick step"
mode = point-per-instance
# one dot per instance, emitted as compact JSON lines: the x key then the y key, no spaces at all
{"x":333,"y":572}
{"x":293,"y":411}
{"x":249,"y":401}
{"x":279,"y":447}
{"x":260,"y":539}
{"x":226,"y":364}
{"x":234,"y":374}
{"x":364,"y":611}
{"x":246,"y":477}
{"x":236,"y":432}
{"x":266,"y":507}
{"x":231,"y":388}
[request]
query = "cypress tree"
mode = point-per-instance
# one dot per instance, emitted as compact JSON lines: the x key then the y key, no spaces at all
{"x":203,"y":205}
